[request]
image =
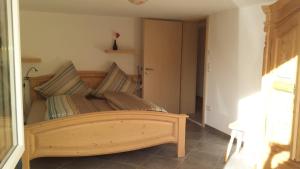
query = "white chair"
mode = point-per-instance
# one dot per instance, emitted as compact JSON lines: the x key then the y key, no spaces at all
{"x":237,"y":132}
{"x":248,"y":156}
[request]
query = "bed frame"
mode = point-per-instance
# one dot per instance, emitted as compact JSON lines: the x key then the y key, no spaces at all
{"x":100,"y":133}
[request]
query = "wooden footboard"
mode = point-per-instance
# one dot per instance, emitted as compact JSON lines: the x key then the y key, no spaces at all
{"x":103,"y":133}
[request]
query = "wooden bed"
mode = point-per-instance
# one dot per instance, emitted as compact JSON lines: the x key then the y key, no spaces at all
{"x":100,"y":132}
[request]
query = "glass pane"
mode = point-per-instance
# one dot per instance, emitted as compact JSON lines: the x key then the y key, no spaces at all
{"x":6,"y":130}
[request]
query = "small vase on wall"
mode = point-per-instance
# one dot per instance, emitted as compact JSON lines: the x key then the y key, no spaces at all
{"x":115,"y":46}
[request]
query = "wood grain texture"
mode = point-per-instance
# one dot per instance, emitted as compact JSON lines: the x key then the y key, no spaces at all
{"x":103,"y":133}
{"x":162,"y":62}
{"x":283,"y":43}
{"x":31,"y":60}
{"x":284,"y":15}
{"x":274,"y":162}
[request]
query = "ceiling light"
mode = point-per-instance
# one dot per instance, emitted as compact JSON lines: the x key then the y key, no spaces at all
{"x":138,"y":2}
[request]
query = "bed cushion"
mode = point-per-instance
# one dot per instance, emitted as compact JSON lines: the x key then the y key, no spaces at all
{"x":83,"y":104}
{"x":129,"y":86}
{"x":125,"y":101}
{"x":116,"y":80}
{"x":101,"y":104}
{"x":61,"y":106}
{"x":65,"y":81}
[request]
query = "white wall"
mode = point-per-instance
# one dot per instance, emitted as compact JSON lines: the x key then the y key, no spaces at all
{"x":57,"y":37}
{"x":235,"y":52}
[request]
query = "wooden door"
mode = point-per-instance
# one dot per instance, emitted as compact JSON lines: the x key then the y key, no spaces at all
{"x":162,"y":60}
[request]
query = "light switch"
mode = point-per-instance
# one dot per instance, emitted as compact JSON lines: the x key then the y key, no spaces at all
{"x":208,"y":67}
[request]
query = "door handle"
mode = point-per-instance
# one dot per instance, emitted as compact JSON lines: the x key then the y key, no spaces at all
{"x":149,"y":69}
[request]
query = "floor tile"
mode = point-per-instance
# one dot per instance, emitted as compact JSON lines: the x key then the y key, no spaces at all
{"x":200,"y":160}
{"x":116,"y":165}
{"x":215,"y":138}
{"x":134,"y":158}
{"x":220,"y":164}
{"x":158,"y":162}
{"x":167,"y":151}
{"x":50,"y":163}
{"x":85,"y":163}
{"x":211,"y":148}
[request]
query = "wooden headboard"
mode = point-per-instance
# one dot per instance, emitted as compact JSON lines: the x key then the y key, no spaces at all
{"x":91,"y":78}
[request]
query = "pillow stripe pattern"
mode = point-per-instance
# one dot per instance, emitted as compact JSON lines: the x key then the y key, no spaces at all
{"x":61,"y":106}
{"x":129,"y":86}
{"x":115,"y":81}
{"x":65,"y":81}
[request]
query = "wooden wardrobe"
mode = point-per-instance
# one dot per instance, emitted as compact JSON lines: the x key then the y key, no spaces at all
{"x":170,"y":64}
{"x":282,"y":48}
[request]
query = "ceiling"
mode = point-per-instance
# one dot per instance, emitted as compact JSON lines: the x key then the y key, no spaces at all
{"x":164,"y":9}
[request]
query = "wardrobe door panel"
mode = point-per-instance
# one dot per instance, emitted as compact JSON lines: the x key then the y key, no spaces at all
{"x":281,"y":80}
{"x":281,"y":90}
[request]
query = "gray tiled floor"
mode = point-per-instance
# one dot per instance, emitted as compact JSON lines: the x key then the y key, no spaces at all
{"x":204,"y":150}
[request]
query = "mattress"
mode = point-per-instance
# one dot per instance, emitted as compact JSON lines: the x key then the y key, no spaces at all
{"x":65,"y":105}
{"x":39,"y":113}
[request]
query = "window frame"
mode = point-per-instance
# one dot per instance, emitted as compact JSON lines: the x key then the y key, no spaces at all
{"x":13,"y":28}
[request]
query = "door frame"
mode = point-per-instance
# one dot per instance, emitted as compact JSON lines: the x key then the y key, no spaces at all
{"x":206,"y":53}
{"x":202,"y":121}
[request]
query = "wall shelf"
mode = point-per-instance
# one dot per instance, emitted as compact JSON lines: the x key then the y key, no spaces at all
{"x":120,"y":51}
{"x":31,"y":60}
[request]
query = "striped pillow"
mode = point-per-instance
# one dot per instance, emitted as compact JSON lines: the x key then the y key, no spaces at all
{"x":129,"y":86}
{"x":66,"y":81}
{"x":115,"y":81}
{"x":60,"y":106}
